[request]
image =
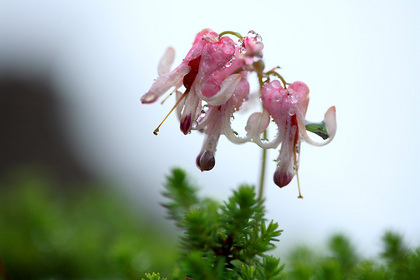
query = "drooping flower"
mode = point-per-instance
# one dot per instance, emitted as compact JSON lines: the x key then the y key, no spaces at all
{"x":212,"y":72}
{"x":216,"y":121}
{"x":288,"y":108}
{"x":202,"y":74}
{"x":213,"y":76}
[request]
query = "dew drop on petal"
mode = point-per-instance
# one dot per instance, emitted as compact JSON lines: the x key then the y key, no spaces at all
{"x":194,"y":124}
{"x":276,"y":84}
{"x":229,"y":63}
{"x":292,"y":111}
{"x":255,"y":34}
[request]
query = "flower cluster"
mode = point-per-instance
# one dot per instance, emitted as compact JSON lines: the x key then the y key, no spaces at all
{"x":211,"y":85}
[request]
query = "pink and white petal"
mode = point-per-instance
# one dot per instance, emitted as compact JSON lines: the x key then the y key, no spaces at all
{"x":284,"y":172}
{"x":257,"y":123}
{"x":206,"y":158}
{"x":330,"y":123}
{"x":330,"y":120}
{"x":166,"y":61}
{"x":180,"y":106}
{"x":191,"y":112}
{"x":226,"y":90}
{"x":164,"y":83}
{"x":228,"y":131}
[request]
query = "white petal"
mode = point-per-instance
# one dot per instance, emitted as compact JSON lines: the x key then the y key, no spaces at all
{"x":227,"y":88}
{"x":330,"y":123}
{"x":166,"y":61}
{"x":178,"y":95}
{"x":257,"y":123}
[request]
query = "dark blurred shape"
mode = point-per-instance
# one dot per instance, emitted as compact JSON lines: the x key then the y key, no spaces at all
{"x":31,"y":130}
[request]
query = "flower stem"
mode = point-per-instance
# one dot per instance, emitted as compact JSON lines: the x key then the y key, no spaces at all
{"x":230,"y":33}
{"x":264,"y":151}
{"x":272,"y":72}
{"x":262,"y":174}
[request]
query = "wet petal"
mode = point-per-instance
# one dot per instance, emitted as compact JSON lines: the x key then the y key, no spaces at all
{"x":257,"y":123}
{"x":164,"y":83}
{"x":285,"y":162}
{"x":205,"y":159}
{"x":166,"y":61}
{"x":191,"y":112}
{"x":227,"y":88}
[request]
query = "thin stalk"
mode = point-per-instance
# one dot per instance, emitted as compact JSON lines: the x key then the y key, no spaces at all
{"x":262,"y":174}
{"x":230,"y":33}
{"x":264,"y":151}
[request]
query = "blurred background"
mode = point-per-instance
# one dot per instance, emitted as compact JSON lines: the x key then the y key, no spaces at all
{"x":72,"y":73}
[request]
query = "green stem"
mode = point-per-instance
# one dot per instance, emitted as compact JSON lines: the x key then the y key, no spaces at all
{"x":264,"y":151}
{"x":230,"y":33}
{"x":278,"y":76}
{"x":263,"y":164}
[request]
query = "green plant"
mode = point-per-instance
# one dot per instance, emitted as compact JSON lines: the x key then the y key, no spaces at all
{"x":221,"y":241}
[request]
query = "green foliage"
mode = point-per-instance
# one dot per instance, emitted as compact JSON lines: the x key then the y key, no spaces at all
{"x":85,"y":233}
{"x":342,"y":262}
{"x":91,"y":233}
{"x":221,"y":241}
{"x":153,"y":276}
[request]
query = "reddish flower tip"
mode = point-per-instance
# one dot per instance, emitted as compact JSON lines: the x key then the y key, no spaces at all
{"x":186,"y":124}
{"x":282,"y":178}
{"x":205,"y":160}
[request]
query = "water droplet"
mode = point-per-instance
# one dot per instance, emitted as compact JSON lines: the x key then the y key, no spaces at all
{"x":255,"y":34}
{"x":252,"y":33}
{"x":229,"y":63}
{"x":276,"y":84}
{"x":292,"y":111}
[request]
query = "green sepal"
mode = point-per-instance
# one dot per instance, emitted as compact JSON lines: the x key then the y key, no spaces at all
{"x":319,"y":129}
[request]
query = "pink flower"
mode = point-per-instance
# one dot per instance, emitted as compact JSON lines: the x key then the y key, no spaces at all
{"x":288,"y":108}
{"x":216,"y":121}
{"x":210,"y":72}
{"x":203,"y":74}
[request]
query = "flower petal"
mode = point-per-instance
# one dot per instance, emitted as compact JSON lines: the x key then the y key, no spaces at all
{"x":227,"y":88}
{"x":285,"y":172}
{"x":166,"y":61}
{"x":331,"y":126}
{"x":206,"y":158}
{"x":164,"y":83}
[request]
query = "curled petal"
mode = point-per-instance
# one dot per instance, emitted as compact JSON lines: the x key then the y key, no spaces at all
{"x":166,"y":61}
{"x":257,"y":123}
{"x":164,"y":83}
{"x":230,"y":135}
{"x":227,"y":88}
{"x":331,"y":126}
